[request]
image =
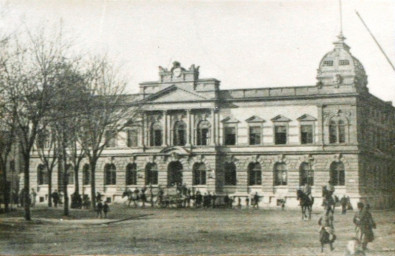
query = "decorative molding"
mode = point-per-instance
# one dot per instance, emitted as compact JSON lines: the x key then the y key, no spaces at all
{"x":280,"y":118}
{"x":255,"y":119}
{"x":306,"y":117}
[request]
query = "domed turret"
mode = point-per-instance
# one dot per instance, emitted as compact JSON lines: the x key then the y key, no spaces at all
{"x":338,"y":67}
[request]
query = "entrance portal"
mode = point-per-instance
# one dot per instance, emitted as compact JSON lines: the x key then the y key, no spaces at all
{"x":174,"y":174}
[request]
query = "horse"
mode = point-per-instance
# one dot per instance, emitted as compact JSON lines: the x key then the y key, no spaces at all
{"x":131,"y":197}
{"x":306,"y":203}
{"x":329,"y":199}
{"x":325,"y":238}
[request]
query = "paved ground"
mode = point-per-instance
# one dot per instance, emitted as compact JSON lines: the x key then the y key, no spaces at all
{"x":181,"y":231}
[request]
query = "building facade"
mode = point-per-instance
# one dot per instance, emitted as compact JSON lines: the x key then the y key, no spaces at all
{"x":269,"y":141}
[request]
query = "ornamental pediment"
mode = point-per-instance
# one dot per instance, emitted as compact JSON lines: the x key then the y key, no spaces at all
{"x":175,"y":94}
{"x":255,"y":119}
{"x":307,"y":117}
{"x":230,"y":119}
{"x":281,"y":118}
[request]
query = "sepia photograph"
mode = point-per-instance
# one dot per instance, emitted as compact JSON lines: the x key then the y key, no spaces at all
{"x":197,"y":127}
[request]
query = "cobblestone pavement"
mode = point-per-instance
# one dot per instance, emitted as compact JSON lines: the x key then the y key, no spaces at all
{"x":182,"y":231}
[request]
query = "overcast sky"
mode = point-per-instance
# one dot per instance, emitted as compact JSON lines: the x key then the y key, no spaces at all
{"x":244,"y":44}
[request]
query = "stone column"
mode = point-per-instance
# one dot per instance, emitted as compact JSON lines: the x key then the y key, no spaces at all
{"x":320,"y":126}
{"x":144,"y":120}
{"x":213,"y":128}
{"x":188,"y":142}
{"x":192,"y":129}
{"x":165,"y":128}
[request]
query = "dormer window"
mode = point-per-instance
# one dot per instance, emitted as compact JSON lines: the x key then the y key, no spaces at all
{"x":328,"y":63}
{"x":344,"y":62}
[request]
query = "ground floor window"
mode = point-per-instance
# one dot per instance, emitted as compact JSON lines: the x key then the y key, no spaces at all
{"x":131,"y":174}
{"x":230,"y":174}
{"x":42,"y":175}
{"x":151,"y":174}
{"x":254,"y":174}
{"x":199,"y":174}
{"x":86,"y":175}
{"x":337,"y":174}
{"x":110,"y":174}
{"x":280,"y":174}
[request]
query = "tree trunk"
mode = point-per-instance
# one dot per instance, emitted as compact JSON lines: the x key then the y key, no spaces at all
{"x":65,"y":182}
{"x":76,"y":182}
{"x":26,"y":186}
{"x":5,"y":186}
{"x":49,"y":188}
{"x":93,"y":183}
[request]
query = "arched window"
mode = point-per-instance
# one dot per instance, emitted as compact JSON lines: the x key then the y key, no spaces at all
{"x":203,"y":130}
{"x":156,"y":134}
{"x":199,"y":174}
{"x":254,"y":174}
{"x":86,"y":175}
{"x":70,"y":175}
{"x":42,"y":175}
{"x":337,"y":131}
{"x":131,"y":174}
{"x":306,"y":174}
{"x":151,"y":174}
{"x":110,"y":174}
{"x":230,"y":174}
{"x":180,"y":134}
{"x":280,"y":174}
{"x":337,"y":174}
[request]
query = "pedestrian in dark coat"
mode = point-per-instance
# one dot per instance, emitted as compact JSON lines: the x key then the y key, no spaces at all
{"x":99,"y":209}
{"x":256,"y":200}
{"x":55,"y":198}
{"x":364,"y":225}
{"x":343,"y":202}
{"x":247,"y":202}
{"x":106,"y":209}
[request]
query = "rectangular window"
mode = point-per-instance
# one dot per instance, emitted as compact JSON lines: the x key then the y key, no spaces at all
{"x":306,"y":134}
{"x":132,"y":138}
{"x":344,"y":62}
{"x":110,"y":137}
{"x":328,"y":63}
{"x":255,"y":135}
{"x":230,"y":135}
{"x":280,"y":135}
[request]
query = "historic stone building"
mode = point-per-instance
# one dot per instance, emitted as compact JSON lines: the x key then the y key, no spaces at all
{"x":242,"y":141}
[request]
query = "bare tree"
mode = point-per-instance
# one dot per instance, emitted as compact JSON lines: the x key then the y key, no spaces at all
{"x":104,"y":109}
{"x":28,"y":71}
{"x":47,"y":151}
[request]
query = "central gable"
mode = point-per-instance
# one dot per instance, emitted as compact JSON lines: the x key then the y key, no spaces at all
{"x":175,"y":94}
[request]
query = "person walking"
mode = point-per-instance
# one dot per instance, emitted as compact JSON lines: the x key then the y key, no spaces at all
{"x":106,"y":209}
{"x":55,"y":197}
{"x":143,"y":197}
{"x":99,"y":209}
{"x":364,"y":225}
{"x":247,"y":202}
{"x":33,"y":195}
{"x":343,"y":202}
{"x":327,"y":230}
{"x":256,"y":200}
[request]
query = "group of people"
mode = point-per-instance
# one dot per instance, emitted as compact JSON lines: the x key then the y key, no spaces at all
{"x":20,"y":198}
{"x":363,"y":221}
{"x":101,"y":208}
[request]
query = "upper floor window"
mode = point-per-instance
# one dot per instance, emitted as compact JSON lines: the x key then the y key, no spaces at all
{"x":230,"y":135}
{"x":230,"y":174}
{"x":111,"y":139}
{"x":280,"y":174}
{"x":337,"y":131}
{"x":156,"y":134}
{"x":255,"y":134}
{"x":280,"y":134}
{"x":306,"y":134}
{"x":199,"y":174}
{"x":110,"y":173}
{"x":203,"y":130}
{"x":180,"y":133}
{"x":151,"y":174}
{"x":337,"y":174}
{"x":132,"y":138}
{"x":131,"y":174}
{"x":254,"y":174}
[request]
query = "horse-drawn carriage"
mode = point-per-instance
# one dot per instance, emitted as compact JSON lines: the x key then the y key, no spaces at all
{"x":171,"y":197}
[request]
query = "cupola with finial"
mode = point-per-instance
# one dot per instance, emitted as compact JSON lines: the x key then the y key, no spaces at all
{"x":339,"y":68}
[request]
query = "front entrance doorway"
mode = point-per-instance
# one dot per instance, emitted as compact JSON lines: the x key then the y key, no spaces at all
{"x":174,"y":174}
